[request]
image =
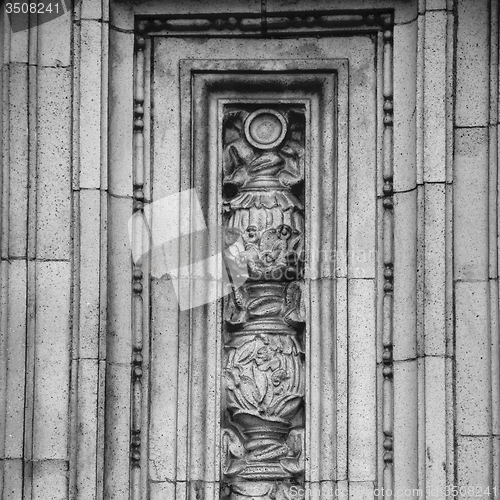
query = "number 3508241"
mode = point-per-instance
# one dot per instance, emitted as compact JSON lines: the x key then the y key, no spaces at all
{"x":32,"y":8}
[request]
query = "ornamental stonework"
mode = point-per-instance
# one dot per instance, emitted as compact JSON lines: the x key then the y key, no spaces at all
{"x":264,"y":319}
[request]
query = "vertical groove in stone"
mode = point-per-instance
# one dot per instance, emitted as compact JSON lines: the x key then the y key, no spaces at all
{"x":118,"y":377}
{"x":77,"y":468}
{"x":4,"y":276}
{"x":493,"y":140}
{"x":449,"y":329}
{"x":493,"y":239}
{"x":31,"y":267}
{"x":449,"y":366}
{"x":4,"y":270}
{"x":419,"y":341}
{"x":75,"y":350}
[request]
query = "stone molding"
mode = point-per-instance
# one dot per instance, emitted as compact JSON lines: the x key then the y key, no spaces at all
{"x":317,"y":23}
{"x":308,"y":24}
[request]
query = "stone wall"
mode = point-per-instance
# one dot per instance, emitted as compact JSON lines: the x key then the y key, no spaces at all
{"x":66,"y":345}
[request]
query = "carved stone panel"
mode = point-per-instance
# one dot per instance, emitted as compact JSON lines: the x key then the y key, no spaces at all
{"x":248,"y":393}
{"x":264,"y":318}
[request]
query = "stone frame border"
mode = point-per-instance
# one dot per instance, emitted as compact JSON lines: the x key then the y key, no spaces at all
{"x":325,"y":75}
{"x":381,"y":22}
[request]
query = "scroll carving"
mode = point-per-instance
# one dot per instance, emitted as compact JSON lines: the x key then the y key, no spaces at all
{"x":264,"y":318}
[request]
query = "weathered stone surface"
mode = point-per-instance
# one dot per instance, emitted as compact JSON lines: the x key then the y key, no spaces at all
{"x":164,"y":403}
{"x":16,"y":50}
{"x":362,"y":179}
{"x":435,"y":79}
{"x":474,"y":466}
{"x":15,"y":350}
{"x":405,"y":279}
{"x":52,"y":361}
{"x":121,"y":16}
{"x":405,"y":424}
{"x":359,"y":490}
{"x":159,"y":491}
{"x":473,"y":369}
{"x":117,"y":441}
{"x":87,"y":408}
{"x":54,"y":164}
{"x":89,"y":272}
{"x":495,"y":356}
{"x":4,"y":293}
{"x":362,"y":373}
{"x":13,"y":479}
{"x":54,"y":42}
{"x":119,"y":342}
{"x":435,"y":422}
{"x":17,"y":181}
{"x":471,"y":204}
{"x":361,"y":225}
{"x":405,"y":93}
{"x":342,"y":381}
{"x":472,"y":91}
{"x":90,"y":105}
{"x":435,"y":5}
{"x":50,"y":480}
{"x":434,"y":392}
{"x":120,"y":123}
{"x":496,"y":462}
{"x":435,"y":270}
{"x":90,"y":9}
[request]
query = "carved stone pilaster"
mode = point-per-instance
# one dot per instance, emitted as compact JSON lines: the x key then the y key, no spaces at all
{"x":263,"y":426}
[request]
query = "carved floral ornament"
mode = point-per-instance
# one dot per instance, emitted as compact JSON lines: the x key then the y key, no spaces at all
{"x":263,"y":174}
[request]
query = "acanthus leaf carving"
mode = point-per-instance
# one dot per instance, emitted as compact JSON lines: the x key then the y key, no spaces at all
{"x":263,"y":176}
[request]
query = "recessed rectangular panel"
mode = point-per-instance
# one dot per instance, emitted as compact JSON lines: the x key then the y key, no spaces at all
{"x":259,"y":366}
{"x":264,"y":167}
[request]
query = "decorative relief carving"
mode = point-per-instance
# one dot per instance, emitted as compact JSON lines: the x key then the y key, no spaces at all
{"x":263,"y":178}
{"x":307,"y":22}
{"x":263,"y":168}
{"x":264,"y":319}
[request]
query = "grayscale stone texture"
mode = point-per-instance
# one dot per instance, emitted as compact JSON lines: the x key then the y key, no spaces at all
{"x":108,"y":391}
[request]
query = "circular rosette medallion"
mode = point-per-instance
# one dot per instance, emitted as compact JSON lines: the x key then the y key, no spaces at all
{"x":265,"y":128}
